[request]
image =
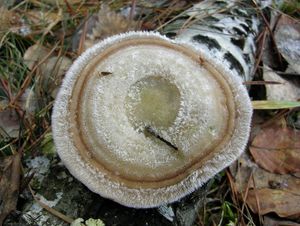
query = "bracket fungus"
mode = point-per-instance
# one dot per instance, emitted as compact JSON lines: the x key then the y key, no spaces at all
{"x":145,"y":120}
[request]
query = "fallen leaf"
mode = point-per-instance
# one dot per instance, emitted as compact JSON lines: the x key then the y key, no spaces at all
{"x":287,"y":38}
{"x":51,"y":68}
{"x":271,"y":104}
{"x":9,"y":119}
{"x":283,"y":203}
{"x":277,"y":161}
{"x":10,"y":171}
{"x":282,"y":155}
{"x":286,"y":91}
{"x":34,"y":54}
{"x":271,"y":221}
{"x":245,"y":167}
{"x":248,"y":175}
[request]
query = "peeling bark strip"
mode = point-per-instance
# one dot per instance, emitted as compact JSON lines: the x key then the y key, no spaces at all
{"x":10,"y":170}
{"x":226,"y":28}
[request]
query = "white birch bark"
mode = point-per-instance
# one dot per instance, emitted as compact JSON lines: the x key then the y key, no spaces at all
{"x":226,"y":28}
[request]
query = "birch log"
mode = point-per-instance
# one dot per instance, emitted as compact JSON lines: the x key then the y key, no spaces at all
{"x":227,"y":29}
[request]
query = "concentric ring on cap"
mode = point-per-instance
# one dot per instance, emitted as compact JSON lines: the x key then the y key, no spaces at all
{"x":144,"y":120}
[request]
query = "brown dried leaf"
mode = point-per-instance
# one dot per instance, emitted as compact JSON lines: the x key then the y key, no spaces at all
{"x":277,"y":150}
{"x":246,"y":169}
{"x":283,"y":203}
{"x":10,"y":169}
{"x":262,"y":178}
{"x":270,"y":221}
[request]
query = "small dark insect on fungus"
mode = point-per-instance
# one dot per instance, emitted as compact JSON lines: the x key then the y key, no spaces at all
{"x":105,"y":73}
{"x":156,"y":130}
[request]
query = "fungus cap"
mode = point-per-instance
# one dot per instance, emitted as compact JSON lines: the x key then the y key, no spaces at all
{"x":145,"y":120}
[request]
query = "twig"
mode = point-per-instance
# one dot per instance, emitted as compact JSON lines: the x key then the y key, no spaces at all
{"x":56,"y":21}
{"x":49,"y":209}
{"x":270,"y":30}
{"x":70,"y":10}
{"x":258,"y":60}
{"x":132,"y":9}
{"x":82,"y":38}
{"x":246,"y":194}
{"x":262,"y":83}
{"x":257,"y":200}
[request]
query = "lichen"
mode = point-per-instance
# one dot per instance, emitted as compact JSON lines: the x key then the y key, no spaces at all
{"x":89,"y":222}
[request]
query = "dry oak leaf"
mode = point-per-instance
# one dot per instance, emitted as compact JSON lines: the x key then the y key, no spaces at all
{"x":277,"y":150}
{"x":283,"y":200}
{"x":284,"y":203}
{"x":245,"y":168}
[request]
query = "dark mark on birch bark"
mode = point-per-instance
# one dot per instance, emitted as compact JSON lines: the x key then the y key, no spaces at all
{"x":104,"y":73}
{"x":210,"y":42}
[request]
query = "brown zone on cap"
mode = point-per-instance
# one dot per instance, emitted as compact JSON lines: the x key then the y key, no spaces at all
{"x":84,"y":149}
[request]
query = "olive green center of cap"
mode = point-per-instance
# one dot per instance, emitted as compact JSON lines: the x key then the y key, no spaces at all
{"x":153,"y":101}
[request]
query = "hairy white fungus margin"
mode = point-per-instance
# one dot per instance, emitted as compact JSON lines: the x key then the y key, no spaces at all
{"x":145,"y":120}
